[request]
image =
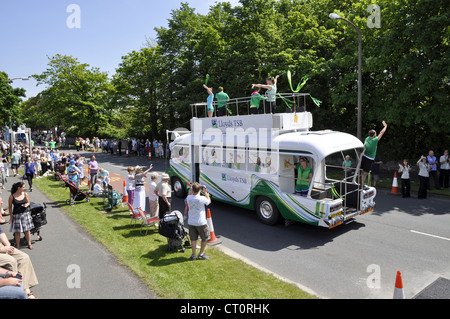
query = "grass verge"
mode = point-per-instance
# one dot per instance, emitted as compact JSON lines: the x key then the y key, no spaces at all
{"x":169,"y":275}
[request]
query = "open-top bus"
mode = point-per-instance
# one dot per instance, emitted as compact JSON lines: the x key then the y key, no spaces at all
{"x":249,"y":161}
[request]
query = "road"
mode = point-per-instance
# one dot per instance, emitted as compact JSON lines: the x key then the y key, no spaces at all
{"x":357,"y":260}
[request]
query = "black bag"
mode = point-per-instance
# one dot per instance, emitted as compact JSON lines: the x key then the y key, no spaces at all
{"x":169,"y":226}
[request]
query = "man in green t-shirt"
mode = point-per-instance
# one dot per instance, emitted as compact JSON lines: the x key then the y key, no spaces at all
{"x":371,"y":145}
{"x":304,"y":176}
{"x":222,"y":99}
{"x":52,"y":145}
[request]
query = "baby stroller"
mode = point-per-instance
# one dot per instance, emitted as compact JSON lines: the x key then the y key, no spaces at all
{"x":171,"y":227}
{"x":76,"y":195}
{"x":39,"y":218}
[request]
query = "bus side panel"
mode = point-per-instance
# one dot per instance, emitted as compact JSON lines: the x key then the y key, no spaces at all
{"x":290,"y":206}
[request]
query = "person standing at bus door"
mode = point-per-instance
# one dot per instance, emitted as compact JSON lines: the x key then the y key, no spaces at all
{"x":222,"y":98}
{"x":209,"y":100}
{"x":304,"y":176}
{"x":255,"y":101}
{"x":405,"y":182}
{"x":271,"y":87}
{"x":445,"y":170}
{"x":424,"y":175}
{"x":371,"y":145}
{"x":347,"y":165}
{"x":164,"y":195}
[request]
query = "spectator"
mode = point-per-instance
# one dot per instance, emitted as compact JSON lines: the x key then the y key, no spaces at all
{"x":103,"y":176}
{"x":30,"y":170}
{"x":198,"y":226}
{"x":15,"y":162}
{"x":98,"y":189}
{"x":424,"y":169}
{"x":10,"y":286}
{"x":164,"y":195}
{"x":432,"y":161}
{"x":16,"y":261}
{"x":130,"y":185}
{"x":139,"y":192}
{"x":405,"y":182}
{"x":20,"y":218}
{"x":153,"y":195}
{"x":93,"y":169}
{"x":445,"y":170}
{"x":73,"y":173}
{"x":376,"y":170}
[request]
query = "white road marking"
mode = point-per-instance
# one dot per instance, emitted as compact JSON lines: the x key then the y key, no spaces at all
{"x":418,"y":232}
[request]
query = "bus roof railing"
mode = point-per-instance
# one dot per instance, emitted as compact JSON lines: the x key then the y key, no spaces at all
{"x":235,"y":104}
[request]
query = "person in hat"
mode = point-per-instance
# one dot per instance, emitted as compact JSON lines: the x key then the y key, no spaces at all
{"x":164,"y":192}
{"x":139,"y":190}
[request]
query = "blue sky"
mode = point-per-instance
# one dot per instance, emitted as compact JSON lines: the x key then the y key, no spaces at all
{"x":33,"y":30}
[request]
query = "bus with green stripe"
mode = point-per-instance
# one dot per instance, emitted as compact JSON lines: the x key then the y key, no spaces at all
{"x":258,"y":162}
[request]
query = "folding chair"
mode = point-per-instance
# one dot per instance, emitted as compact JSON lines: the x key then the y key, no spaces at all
{"x":148,"y":221}
{"x":135,"y":216}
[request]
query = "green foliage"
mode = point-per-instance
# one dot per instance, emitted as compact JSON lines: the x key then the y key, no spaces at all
{"x":9,"y":101}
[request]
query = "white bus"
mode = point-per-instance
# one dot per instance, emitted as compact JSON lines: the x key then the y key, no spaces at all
{"x":251,"y":161}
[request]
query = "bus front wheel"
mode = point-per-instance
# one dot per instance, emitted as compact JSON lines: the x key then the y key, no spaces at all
{"x":178,"y":187}
{"x":267,"y":211}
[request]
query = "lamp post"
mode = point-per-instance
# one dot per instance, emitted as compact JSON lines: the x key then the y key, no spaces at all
{"x":335,"y":16}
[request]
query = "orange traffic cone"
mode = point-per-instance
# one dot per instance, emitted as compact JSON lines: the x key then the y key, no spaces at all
{"x":125,"y":193}
{"x":212,"y":235}
{"x":89,"y":180}
{"x":150,"y":156}
{"x":398,"y":292}
{"x":126,"y":152}
{"x":394,"y":189}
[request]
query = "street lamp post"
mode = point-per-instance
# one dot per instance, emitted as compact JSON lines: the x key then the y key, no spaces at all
{"x":335,"y":16}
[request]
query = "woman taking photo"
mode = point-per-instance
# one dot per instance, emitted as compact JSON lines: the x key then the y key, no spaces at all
{"x":19,"y":206}
{"x":424,"y":175}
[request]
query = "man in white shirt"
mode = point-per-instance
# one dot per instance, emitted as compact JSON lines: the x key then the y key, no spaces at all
{"x":198,"y":225}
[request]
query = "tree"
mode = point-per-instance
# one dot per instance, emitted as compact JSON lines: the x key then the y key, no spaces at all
{"x":9,"y":101}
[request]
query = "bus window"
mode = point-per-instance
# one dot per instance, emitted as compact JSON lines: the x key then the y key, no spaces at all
{"x":254,"y":162}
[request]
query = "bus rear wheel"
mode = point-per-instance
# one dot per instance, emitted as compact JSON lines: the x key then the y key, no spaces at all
{"x":267,"y":211}
{"x":178,"y":187}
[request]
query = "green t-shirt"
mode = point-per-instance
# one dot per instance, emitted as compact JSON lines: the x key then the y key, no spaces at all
{"x":52,"y":144}
{"x":303,"y":174}
{"x":222,"y":98}
{"x":371,"y":147}
{"x":254,"y":101}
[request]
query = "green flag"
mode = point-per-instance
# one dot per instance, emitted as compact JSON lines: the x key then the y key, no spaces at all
{"x":316,"y":101}
{"x":300,"y":85}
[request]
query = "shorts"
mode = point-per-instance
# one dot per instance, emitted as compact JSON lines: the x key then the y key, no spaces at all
{"x":366,"y":164}
{"x":222,"y":111}
{"x":15,"y":166}
{"x":202,"y":231}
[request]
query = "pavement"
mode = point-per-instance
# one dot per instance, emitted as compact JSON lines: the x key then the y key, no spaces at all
{"x":70,"y":264}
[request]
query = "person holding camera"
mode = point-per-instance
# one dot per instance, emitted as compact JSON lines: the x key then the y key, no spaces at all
{"x":424,"y":175}
{"x":445,"y":170}
{"x":198,"y":225}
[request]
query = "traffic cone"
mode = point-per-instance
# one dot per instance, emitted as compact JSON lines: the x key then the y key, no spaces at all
{"x":394,"y":189}
{"x":125,"y":193}
{"x":89,"y":180}
{"x":212,"y":236}
{"x":398,"y":291}
{"x":150,"y":156}
{"x":126,"y":152}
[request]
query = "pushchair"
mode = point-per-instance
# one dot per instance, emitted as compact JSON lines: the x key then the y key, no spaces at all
{"x":39,"y":218}
{"x":171,"y":227}
{"x":76,"y":195}
{"x":113,"y":196}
